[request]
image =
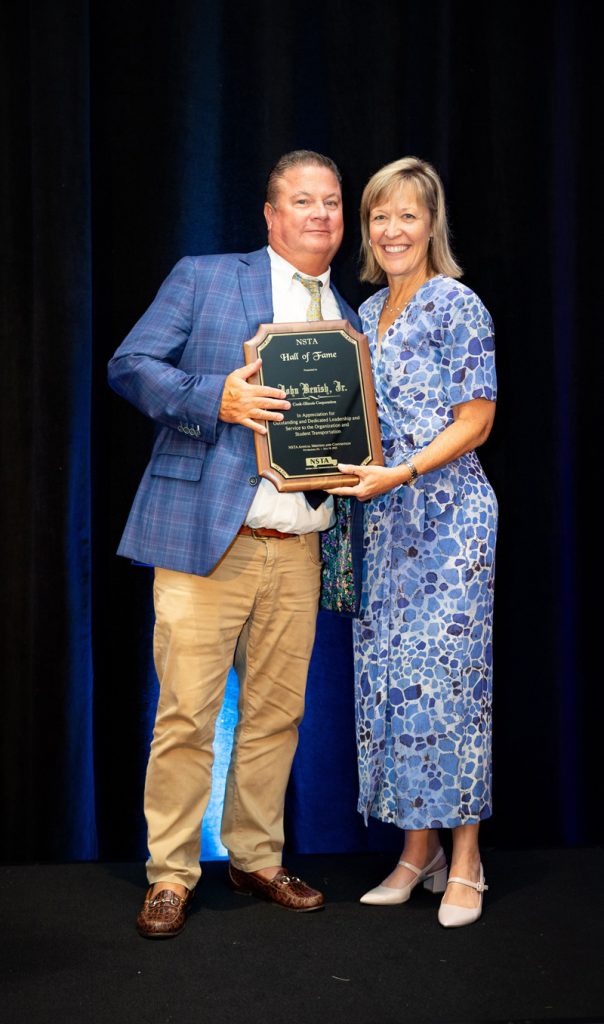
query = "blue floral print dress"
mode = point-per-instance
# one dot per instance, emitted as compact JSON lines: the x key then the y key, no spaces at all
{"x":423,"y":652}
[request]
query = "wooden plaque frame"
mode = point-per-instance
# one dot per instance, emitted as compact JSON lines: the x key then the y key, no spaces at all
{"x":325,"y":368}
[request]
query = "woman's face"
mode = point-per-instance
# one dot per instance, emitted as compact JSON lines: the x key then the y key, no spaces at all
{"x":399,"y":229}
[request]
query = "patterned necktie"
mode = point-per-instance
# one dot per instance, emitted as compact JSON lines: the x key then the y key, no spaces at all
{"x":314,"y":498}
{"x":314,"y":287}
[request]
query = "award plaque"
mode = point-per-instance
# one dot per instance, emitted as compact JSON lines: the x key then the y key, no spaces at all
{"x":325,"y":368}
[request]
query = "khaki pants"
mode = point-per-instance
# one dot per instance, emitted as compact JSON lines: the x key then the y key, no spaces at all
{"x":256,"y":609}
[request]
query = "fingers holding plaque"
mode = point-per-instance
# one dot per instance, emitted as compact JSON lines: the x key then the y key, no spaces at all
{"x":325,"y":368}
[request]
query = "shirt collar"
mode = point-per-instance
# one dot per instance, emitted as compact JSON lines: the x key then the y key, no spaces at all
{"x":287,"y":270}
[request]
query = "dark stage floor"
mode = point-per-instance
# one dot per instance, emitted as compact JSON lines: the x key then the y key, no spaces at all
{"x":70,"y":953}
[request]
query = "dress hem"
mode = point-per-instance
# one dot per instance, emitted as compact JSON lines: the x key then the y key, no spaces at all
{"x":434,"y":823}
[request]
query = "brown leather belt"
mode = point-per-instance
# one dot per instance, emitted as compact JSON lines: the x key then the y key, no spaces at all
{"x":265,"y":532}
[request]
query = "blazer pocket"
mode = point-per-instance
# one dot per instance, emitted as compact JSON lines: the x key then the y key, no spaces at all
{"x":179,"y":467}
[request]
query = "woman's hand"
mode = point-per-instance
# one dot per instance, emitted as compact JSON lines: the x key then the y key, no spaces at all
{"x":373,"y":480}
{"x":472,"y":422}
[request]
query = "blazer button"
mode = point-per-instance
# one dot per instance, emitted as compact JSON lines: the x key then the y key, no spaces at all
{"x":253,"y":481}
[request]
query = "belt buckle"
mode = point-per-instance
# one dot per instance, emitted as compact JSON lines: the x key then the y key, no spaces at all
{"x":255,"y":532}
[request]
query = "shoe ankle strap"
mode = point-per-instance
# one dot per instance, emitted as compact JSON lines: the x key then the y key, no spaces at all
{"x":479,"y":886}
{"x":420,"y":871}
{"x":412,"y":867}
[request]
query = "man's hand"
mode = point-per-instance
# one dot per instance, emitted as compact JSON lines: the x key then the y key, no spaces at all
{"x":249,"y":404}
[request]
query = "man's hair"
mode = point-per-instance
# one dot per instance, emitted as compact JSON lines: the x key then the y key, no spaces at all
{"x":297,"y":158}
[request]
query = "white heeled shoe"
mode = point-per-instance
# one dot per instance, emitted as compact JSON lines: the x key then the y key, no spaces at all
{"x":433,"y":878}
{"x":452,"y":916}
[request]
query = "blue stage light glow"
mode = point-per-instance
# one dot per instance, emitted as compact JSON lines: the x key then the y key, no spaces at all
{"x":211,"y":846}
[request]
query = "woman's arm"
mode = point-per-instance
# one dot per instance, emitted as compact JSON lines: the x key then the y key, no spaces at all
{"x":471,"y":426}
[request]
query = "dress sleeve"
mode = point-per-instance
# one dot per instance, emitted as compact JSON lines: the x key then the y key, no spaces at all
{"x":468,"y":363}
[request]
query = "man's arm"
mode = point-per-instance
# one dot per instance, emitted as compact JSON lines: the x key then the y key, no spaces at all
{"x":144,"y":370}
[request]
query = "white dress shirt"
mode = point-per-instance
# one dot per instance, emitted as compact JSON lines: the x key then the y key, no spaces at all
{"x":272,"y":509}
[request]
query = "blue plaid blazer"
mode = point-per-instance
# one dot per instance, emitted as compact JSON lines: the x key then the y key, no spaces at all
{"x":202,"y":477}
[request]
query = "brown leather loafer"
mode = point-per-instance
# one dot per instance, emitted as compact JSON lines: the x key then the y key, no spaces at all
{"x":284,"y":889}
{"x":164,"y":915}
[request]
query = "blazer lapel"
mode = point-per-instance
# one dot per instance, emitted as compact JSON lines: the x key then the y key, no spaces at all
{"x":256,"y":289}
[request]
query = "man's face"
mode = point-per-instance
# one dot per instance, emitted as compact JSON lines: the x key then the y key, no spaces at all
{"x":306,"y":224}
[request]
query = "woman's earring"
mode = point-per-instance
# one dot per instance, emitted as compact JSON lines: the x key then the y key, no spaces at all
{"x":370,"y":243}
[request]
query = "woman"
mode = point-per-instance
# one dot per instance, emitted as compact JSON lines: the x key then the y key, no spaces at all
{"x":423,"y":636}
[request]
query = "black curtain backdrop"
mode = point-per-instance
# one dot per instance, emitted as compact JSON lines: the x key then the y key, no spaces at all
{"x":133,"y":134}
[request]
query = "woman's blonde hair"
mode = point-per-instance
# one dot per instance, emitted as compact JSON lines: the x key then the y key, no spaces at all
{"x":430,"y":192}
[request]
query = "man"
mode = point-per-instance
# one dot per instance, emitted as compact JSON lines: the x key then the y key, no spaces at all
{"x":237,"y":564}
